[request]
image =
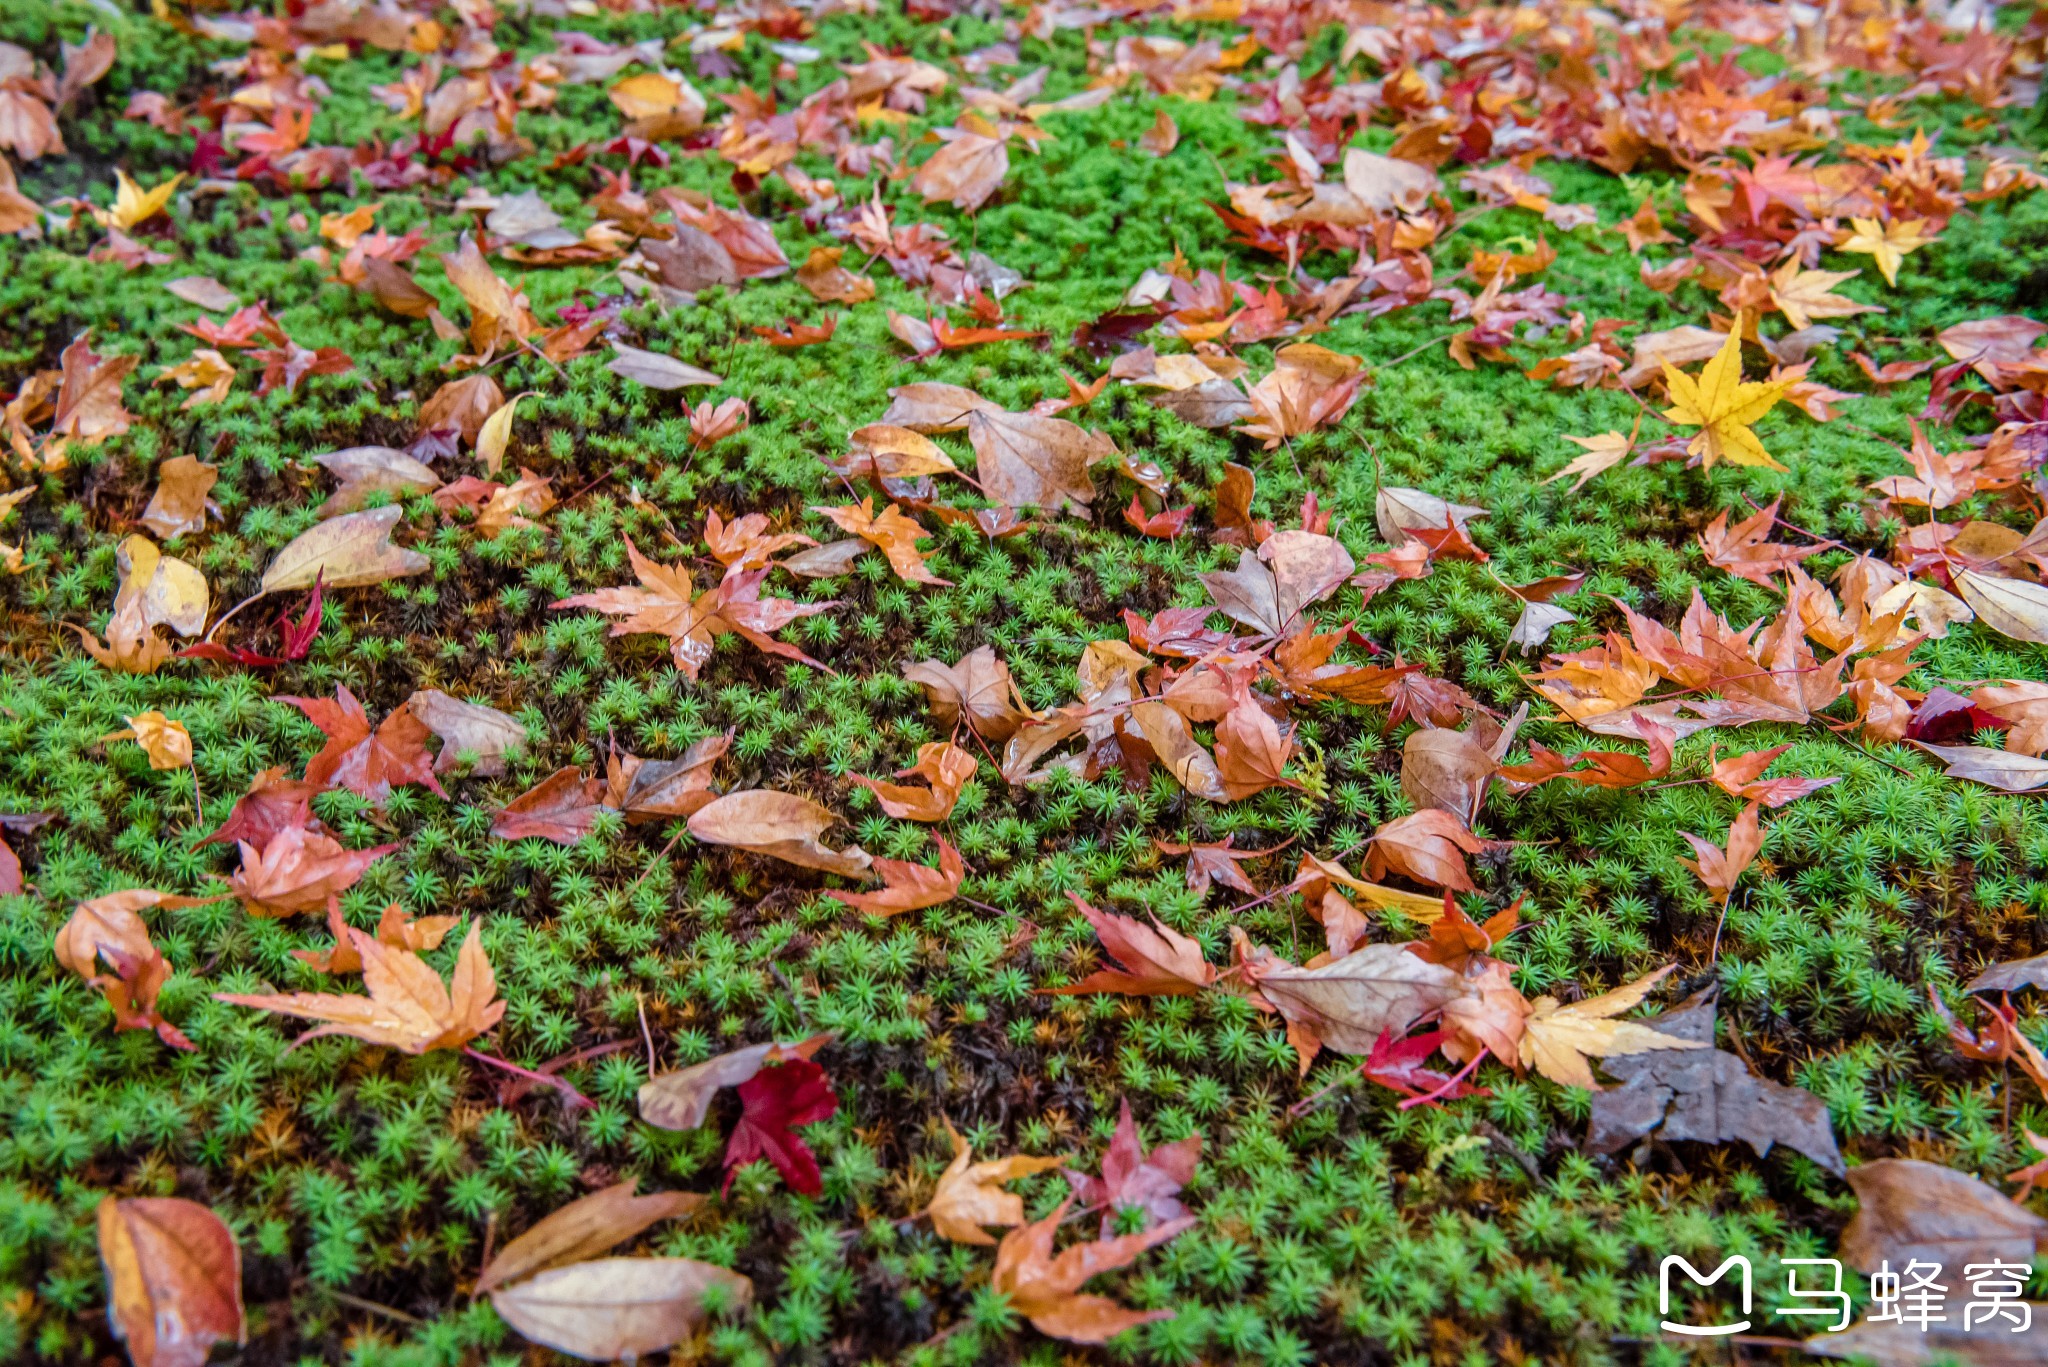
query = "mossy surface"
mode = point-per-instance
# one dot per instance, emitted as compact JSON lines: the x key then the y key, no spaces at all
{"x":358,"y":1178}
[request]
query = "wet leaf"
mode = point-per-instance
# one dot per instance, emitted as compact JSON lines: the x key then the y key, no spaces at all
{"x":344,"y":552}
{"x":174,"y":1279}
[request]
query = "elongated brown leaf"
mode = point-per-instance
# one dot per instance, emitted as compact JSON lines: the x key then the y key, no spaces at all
{"x":174,"y":1279}
{"x":344,"y":552}
{"x":780,"y":825}
{"x":619,"y":1307}
{"x":583,"y":1229}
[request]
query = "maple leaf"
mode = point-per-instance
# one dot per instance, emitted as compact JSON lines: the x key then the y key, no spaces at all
{"x":1425,"y":846}
{"x":1396,"y":1062}
{"x":367,"y":763}
{"x":298,"y":870}
{"x":1154,"y":961}
{"x":907,"y":886}
{"x":1272,"y":588}
{"x":1887,"y":244}
{"x":1347,"y":1002}
{"x":110,"y":930}
{"x":1557,"y":1039}
{"x":943,"y":765}
{"x":896,"y":536}
{"x":1310,"y":386}
{"x":1723,"y":407}
{"x":1216,"y":863}
{"x":1719,"y":868}
{"x":977,"y":690}
{"x":668,"y":605}
{"x":970,"y":1194}
{"x":273,"y":803}
{"x":408,"y":1007}
{"x":1803,"y":295}
{"x":967,"y":169}
{"x":394,"y":928}
{"x":1027,"y":461}
{"x":1743,"y":550}
{"x":134,"y":205}
{"x":1047,"y":1289}
{"x":563,"y":807}
{"x":1134,"y":1178}
{"x":1742,"y":776}
{"x":1165,"y":524}
{"x":651,"y":789}
{"x":773,"y":1103}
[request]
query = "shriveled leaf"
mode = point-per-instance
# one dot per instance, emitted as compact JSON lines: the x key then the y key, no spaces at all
{"x":1557,"y":1039}
{"x":970,"y":1194}
{"x":1909,"y":1209}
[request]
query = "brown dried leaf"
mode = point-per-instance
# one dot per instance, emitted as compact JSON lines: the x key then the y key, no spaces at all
{"x":780,"y":825}
{"x":174,"y":1279}
{"x":581,"y":1230}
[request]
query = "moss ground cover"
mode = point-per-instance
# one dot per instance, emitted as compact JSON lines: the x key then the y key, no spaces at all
{"x":364,"y":1186}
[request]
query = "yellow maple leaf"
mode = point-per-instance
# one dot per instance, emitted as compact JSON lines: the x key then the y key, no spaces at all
{"x":1556,"y":1040}
{"x":1603,"y":453}
{"x":971,"y":1194}
{"x":1803,"y":295}
{"x":1887,"y":244}
{"x":133,"y":204}
{"x":1723,"y":407}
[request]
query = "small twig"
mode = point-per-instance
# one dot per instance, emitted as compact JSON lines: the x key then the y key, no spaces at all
{"x":374,"y":1307}
{"x":640,"y":1005}
{"x":1415,"y":351}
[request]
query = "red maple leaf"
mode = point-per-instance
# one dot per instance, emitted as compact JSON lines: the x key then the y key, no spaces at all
{"x":298,"y":640}
{"x":773,"y":1103}
{"x":1398,"y":1064}
{"x":1133,"y":1177}
{"x":367,"y":763}
{"x":273,"y":803}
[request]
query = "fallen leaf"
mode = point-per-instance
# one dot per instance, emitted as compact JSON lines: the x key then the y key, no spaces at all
{"x":581,"y":1230}
{"x":181,"y":501}
{"x":1026,"y":461}
{"x":2004,"y":769}
{"x":1557,"y":1038}
{"x":655,"y":370}
{"x":1706,"y":1096}
{"x":1428,"y":846}
{"x":167,"y":743}
{"x":965,"y":171}
{"x":1447,"y":770}
{"x":652,"y":789}
{"x":496,"y":433}
{"x":681,"y":1099}
{"x":1154,"y":961}
{"x":1047,"y":1290}
{"x":1603,"y":453}
{"x":1742,"y":776}
{"x":1719,"y":868}
{"x":1134,"y":1178}
{"x":1941,"y":1342}
{"x":907,"y":886}
{"x":1348,"y":1002}
{"x":773,"y":1103}
{"x":2015,"y":607}
{"x":978,"y":689}
{"x":174,"y":1279}
{"x":110,"y":930}
{"x":298,"y":870}
{"x":408,"y":1007}
{"x":394,"y":928}
{"x":273,"y":803}
{"x":478,"y":738}
{"x":1910,"y":1210}
{"x":1310,"y":386}
{"x":780,"y":825}
{"x":1723,"y":407}
{"x":368,"y":763}
{"x":1743,"y":551}
{"x":344,"y":552}
{"x":462,"y":405}
{"x":614,"y":1308}
{"x":893,"y":533}
{"x":931,"y":407}
{"x":563,"y":807}
{"x":970,"y":1194}
{"x":943,"y":765}
{"x":1272,"y":588}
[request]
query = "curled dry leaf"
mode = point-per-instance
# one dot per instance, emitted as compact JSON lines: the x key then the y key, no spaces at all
{"x":344,"y":552}
{"x":970,"y":1194}
{"x":620,"y":1307}
{"x":368,"y":470}
{"x":1719,"y":868}
{"x":780,"y":825}
{"x":394,"y":928}
{"x":109,"y":930}
{"x":655,"y":789}
{"x":655,"y":370}
{"x":478,"y":738}
{"x":563,"y":807}
{"x":298,"y":870}
{"x":907,"y":886}
{"x":167,"y":743}
{"x":943,"y":765}
{"x":462,"y":405}
{"x":180,"y":505}
{"x":581,"y":1230}
{"x":1272,"y":587}
{"x":1429,"y":846}
{"x":679,"y":1100}
{"x":174,"y":1279}
{"x":1046,"y":1289}
{"x":1156,"y":960}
